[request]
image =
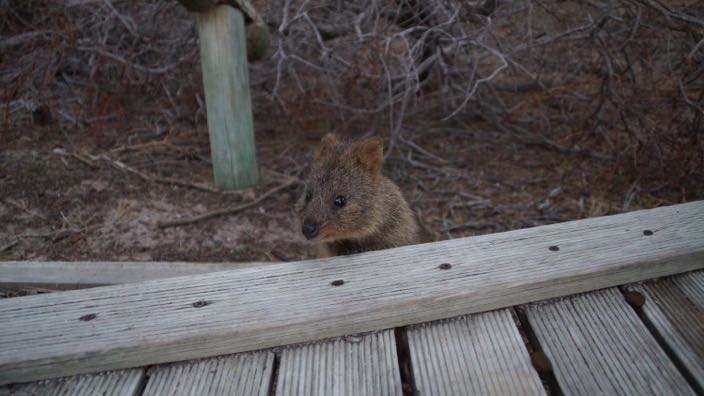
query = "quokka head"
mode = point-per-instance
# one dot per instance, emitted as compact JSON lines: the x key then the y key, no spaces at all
{"x":341,"y":190}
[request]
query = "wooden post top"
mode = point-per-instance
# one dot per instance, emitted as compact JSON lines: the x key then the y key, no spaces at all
{"x":256,"y":30}
{"x":250,"y":14}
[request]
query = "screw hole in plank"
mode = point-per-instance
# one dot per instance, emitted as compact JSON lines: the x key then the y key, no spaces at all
{"x":201,"y":303}
{"x":86,"y":318}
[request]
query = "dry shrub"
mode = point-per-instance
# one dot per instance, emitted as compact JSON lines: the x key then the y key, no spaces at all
{"x":619,"y":81}
{"x":97,"y":63}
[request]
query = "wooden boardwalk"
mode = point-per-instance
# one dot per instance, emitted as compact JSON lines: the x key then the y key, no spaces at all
{"x":549,"y":310}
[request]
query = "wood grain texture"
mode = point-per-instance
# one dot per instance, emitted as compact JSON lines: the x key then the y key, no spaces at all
{"x":247,"y":374}
{"x":115,"y":383}
{"x":355,"y":365}
{"x":206,"y":315}
{"x":223,"y":54}
{"x":599,"y":346}
{"x":675,"y":308}
{"x":481,"y":354}
{"x":65,"y":275}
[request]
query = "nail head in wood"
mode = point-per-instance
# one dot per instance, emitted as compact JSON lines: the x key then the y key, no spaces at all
{"x":634,"y":298}
{"x":86,"y":318}
{"x":201,"y":303}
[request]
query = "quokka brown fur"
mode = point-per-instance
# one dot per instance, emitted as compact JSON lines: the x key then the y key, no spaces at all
{"x":349,"y":206}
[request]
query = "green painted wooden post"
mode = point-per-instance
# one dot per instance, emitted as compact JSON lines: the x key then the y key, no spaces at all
{"x":223,"y":55}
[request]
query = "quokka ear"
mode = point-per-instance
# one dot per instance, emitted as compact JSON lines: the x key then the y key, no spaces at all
{"x":369,"y":154}
{"x":328,"y":144}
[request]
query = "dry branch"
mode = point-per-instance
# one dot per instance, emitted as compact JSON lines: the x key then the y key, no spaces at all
{"x":24,"y":208}
{"x":61,"y":233}
{"x":227,"y":211}
{"x":90,"y":159}
{"x":8,"y":246}
{"x":163,"y":180}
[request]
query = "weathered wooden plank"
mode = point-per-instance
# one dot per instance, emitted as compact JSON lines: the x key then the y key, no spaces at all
{"x":114,"y":383}
{"x":182,"y":318}
{"x":223,"y":56}
{"x":599,"y":346}
{"x":244,"y":374}
{"x":675,"y":308}
{"x":66,"y":275}
{"x":481,"y":354}
{"x":356,"y":365}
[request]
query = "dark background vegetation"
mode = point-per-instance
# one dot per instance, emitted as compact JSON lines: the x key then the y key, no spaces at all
{"x":497,"y":115}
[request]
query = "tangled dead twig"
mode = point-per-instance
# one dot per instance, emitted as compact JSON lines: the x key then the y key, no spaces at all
{"x":228,"y":211}
{"x":9,"y":246}
{"x":570,"y":77}
{"x":77,"y":58}
{"x":90,"y":159}
{"x":61,"y":233}
{"x":24,"y":208}
{"x":163,"y":180}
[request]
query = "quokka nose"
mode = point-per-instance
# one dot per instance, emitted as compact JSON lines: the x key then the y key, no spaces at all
{"x":310,"y":229}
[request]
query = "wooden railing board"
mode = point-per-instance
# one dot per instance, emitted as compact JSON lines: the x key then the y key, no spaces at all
{"x":66,"y":275}
{"x":598,"y":346}
{"x":480,"y":354}
{"x":260,"y":307}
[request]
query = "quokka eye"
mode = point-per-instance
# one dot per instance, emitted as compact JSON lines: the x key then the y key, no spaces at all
{"x":340,"y":201}
{"x":309,"y":196}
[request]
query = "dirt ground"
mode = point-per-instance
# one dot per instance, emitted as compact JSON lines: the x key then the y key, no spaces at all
{"x":64,"y":196}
